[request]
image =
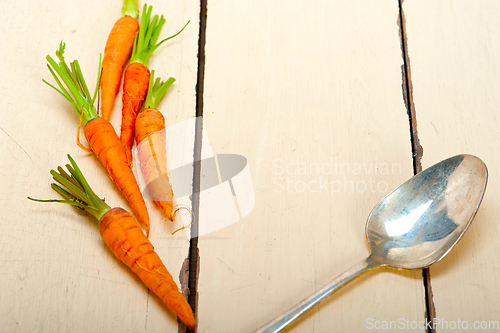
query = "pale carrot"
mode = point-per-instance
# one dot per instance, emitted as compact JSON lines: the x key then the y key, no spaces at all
{"x":99,"y":133}
{"x":150,"y":137}
{"x":122,"y":234}
{"x":116,"y":54}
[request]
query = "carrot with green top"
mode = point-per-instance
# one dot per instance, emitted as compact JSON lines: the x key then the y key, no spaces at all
{"x":136,"y":77}
{"x":116,"y":54}
{"x":99,"y":132}
{"x":150,"y":138}
{"x":122,"y":234}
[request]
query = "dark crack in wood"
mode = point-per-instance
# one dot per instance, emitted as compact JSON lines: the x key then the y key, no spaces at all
{"x":417,"y":152}
{"x":417,"y":149}
{"x":194,"y":257}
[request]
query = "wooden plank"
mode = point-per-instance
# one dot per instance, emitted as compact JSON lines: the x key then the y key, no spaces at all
{"x":454,"y":49}
{"x":310,"y":94}
{"x":57,"y":275}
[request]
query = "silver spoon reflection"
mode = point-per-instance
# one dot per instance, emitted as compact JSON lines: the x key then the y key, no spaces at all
{"x":414,"y":226}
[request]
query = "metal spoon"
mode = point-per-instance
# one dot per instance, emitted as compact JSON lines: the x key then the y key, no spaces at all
{"x":414,"y":226}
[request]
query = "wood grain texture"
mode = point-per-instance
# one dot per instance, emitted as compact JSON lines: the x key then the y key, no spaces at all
{"x":310,"y":93}
{"x":454,"y":48}
{"x":57,"y":274}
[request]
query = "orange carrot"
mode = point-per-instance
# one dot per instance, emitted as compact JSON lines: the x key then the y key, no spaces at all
{"x":125,"y":238}
{"x":136,"y":78}
{"x":108,"y":148}
{"x":151,"y":146}
{"x":135,"y":86}
{"x":116,"y":54}
{"x":99,"y":132}
{"x":122,"y":234}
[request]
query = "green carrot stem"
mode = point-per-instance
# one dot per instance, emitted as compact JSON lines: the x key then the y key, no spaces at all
{"x":75,"y":172}
{"x":72,"y":85}
{"x":130,"y":8}
{"x":144,"y":44}
{"x":70,"y":178}
{"x":76,"y":191}
{"x":69,"y":202}
{"x":156,"y":91}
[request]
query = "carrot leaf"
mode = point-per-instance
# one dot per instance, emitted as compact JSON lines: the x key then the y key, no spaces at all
{"x":76,"y":191}
{"x":145,"y":40}
{"x":75,"y":172}
{"x":63,"y":90}
{"x":154,"y":47}
{"x":64,"y":94}
{"x":99,"y":73}
{"x":69,"y":202}
{"x":84,"y":90}
{"x":156,"y":91}
{"x":72,"y":84}
{"x":70,"y":178}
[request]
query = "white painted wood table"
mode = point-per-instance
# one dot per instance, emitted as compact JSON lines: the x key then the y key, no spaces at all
{"x":312,"y":112}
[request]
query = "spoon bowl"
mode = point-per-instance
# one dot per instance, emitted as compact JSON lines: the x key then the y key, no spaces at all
{"x":419,"y":222}
{"x":414,"y":226}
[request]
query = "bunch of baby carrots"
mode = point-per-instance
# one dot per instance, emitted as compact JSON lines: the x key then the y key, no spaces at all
{"x":130,"y":41}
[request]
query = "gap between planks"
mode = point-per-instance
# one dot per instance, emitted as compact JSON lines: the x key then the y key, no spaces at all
{"x":417,"y":149}
{"x":194,"y":257}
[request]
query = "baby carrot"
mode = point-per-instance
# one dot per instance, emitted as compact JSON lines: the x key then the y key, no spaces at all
{"x":136,"y":77}
{"x":124,"y":237}
{"x":150,"y":137}
{"x":116,"y":54}
{"x":99,"y":133}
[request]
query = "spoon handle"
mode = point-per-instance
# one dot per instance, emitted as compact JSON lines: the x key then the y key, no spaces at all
{"x":293,"y":313}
